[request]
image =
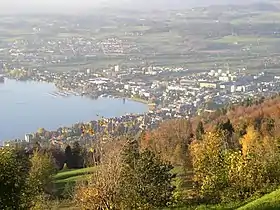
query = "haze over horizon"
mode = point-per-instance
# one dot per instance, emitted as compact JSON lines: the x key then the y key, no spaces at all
{"x":77,"y":6}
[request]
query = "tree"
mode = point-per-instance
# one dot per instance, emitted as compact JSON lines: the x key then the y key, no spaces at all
{"x":146,"y":180}
{"x":59,"y":157}
{"x":69,"y":157}
{"x":168,"y":136}
{"x":41,"y":172}
{"x":127,"y":179}
{"x":40,"y":178}
{"x":103,"y":188}
{"x":256,"y":167}
{"x":210,"y":168}
{"x":120,"y":129}
{"x":14,"y":166}
{"x":77,"y":156}
{"x":268,"y":127}
{"x":41,"y":131}
{"x":199,"y":131}
{"x":249,"y":140}
{"x":226,"y":128}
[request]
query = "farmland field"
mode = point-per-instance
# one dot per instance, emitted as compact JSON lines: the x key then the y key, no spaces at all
{"x":201,"y":38}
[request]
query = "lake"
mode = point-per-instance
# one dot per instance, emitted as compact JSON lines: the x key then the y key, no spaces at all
{"x":27,"y":106}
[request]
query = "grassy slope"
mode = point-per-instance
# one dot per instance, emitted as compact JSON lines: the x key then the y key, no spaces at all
{"x":73,"y":173}
{"x":270,"y":201}
{"x":68,"y":179}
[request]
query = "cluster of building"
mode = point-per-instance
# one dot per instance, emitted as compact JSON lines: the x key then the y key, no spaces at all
{"x":61,"y":48}
{"x":172,"y":92}
{"x":102,"y":129}
{"x":112,"y":46}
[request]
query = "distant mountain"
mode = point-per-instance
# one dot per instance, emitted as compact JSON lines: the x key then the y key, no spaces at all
{"x":78,"y":6}
{"x":178,"y":4}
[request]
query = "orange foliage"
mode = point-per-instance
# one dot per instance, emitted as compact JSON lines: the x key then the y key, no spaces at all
{"x":170,"y":140}
{"x":251,"y":115}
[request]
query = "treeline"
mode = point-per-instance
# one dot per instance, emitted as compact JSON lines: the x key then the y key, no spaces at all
{"x":72,"y":157}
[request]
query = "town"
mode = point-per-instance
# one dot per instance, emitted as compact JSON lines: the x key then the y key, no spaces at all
{"x":169,"y":93}
{"x":135,"y":62}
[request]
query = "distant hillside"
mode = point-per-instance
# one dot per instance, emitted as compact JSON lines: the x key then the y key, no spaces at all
{"x":179,"y":4}
{"x":74,"y":6}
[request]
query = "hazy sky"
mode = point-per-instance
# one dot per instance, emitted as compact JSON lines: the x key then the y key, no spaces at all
{"x":38,"y":6}
{"x":72,"y":6}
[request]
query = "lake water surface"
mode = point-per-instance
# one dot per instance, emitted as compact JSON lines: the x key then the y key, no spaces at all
{"x":27,"y":106}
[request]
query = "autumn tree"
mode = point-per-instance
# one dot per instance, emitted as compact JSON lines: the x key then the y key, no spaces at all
{"x":249,"y":140}
{"x":210,"y":170}
{"x":222,"y":173}
{"x":267,"y":127}
{"x":146,"y":180}
{"x":256,"y":166}
{"x":127,"y":179}
{"x":226,"y":127}
{"x":41,"y":131}
{"x":171,"y":141}
{"x":102,"y":190}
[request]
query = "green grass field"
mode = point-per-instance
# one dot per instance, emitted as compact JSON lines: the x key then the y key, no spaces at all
{"x":73,"y":173}
{"x":270,"y":201}
{"x":246,"y":40}
{"x":258,"y":18}
{"x":66,"y":180}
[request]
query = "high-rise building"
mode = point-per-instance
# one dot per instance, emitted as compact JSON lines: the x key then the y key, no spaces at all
{"x":1,"y":68}
{"x":28,"y":137}
{"x":88,"y":71}
{"x":117,"y":68}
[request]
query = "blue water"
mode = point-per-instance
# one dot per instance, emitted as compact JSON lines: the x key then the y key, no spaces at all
{"x":27,"y":106}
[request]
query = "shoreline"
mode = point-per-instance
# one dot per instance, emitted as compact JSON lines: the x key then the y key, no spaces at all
{"x":21,"y":136}
{"x":142,"y":101}
{"x":135,"y":99}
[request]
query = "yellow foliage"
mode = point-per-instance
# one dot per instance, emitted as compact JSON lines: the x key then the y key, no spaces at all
{"x":101,"y":191}
{"x":41,"y":131}
{"x":209,"y":163}
{"x":89,"y":198}
{"x":249,"y":140}
{"x":221,"y":173}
